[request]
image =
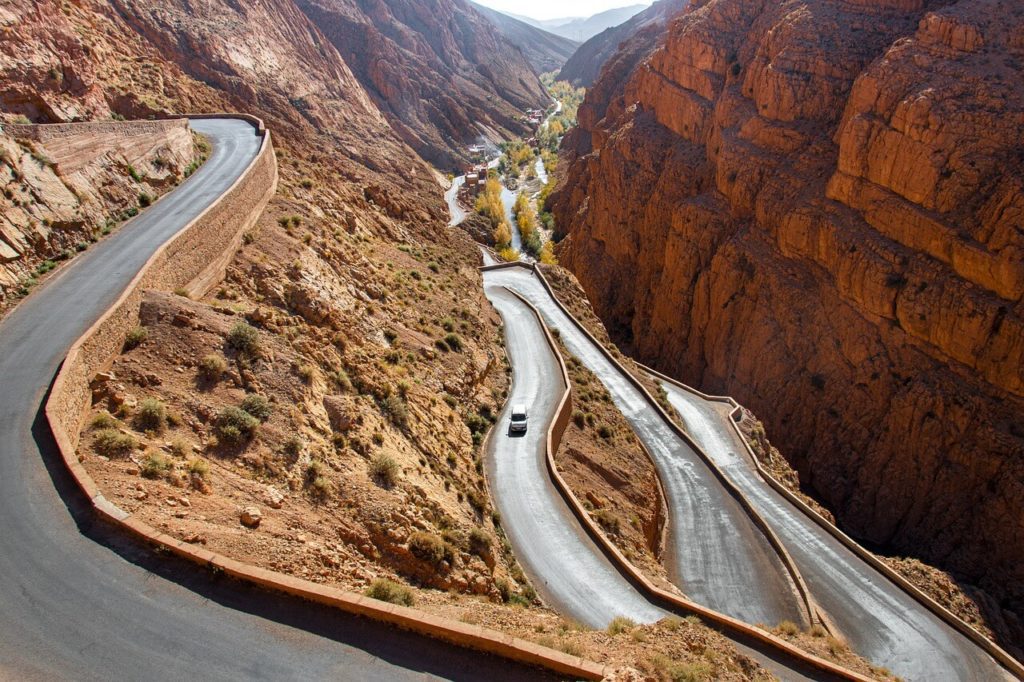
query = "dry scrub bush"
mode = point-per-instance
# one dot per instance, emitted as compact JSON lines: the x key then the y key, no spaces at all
{"x":151,"y":416}
{"x":391,"y":592}
{"x":384,"y":469}
{"x":430,"y":548}
{"x":135,"y":338}
{"x":113,"y":443}
{"x":212,"y":367}
{"x":620,"y":624}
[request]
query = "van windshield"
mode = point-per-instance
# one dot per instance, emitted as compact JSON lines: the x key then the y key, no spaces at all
{"x":518,"y":417}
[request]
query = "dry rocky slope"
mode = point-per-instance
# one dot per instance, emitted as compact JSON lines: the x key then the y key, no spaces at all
{"x":440,"y":71}
{"x":817,"y":207}
{"x":584,"y":66}
{"x":545,"y":51}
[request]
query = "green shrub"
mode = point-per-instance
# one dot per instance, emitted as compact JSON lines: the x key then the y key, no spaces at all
{"x":235,"y":425}
{"x":155,"y":466}
{"x":307,"y":373}
{"x":391,"y":592}
{"x":257,"y":406}
{"x":180,"y":447}
{"x":385,"y":469}
{"x":212,"y":367}
{"x":608,"y":520}
{"x":145,"y":199}
{"x":429,"y":547}
{"x":134,"y":173}
{"x":245,"y":339}
{"x":294,"y":446}
{"x":320,"y":488}
{"x":342,"y":379}
{"x":113,"y":443}
{"x":454,"y":342}
{"x":151,"y":415}
{"x":135,"y":338}
{"x":199,"y":468}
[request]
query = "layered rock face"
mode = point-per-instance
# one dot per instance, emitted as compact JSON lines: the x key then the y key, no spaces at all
{"x":77,"y":182}
{"x":441,"y":72}
{"x":818,"y":207}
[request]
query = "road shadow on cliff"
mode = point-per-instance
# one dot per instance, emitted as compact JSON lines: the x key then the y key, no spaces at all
{"x":391,"y":644}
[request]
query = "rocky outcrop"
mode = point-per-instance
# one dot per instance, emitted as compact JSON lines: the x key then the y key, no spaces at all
{"x":64,"y":186}
{"x":441,"y":72}
{"x":817,"y":208}
{"x":545,"y":51}
{"x":649,"y":25}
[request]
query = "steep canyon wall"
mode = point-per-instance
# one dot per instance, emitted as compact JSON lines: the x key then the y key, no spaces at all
{"x":818,"y":207}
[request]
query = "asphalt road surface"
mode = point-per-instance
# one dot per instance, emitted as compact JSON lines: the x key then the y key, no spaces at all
{"x":562,"y":561}
{"x":568,"y":569}
{"x":77,"y":601}
{"x":716,"y":554}
{"x":879,"y":620}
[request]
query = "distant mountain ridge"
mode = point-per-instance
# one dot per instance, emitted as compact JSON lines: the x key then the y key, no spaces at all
{"x":441,"y":72}
{"x":645,"y":29}
{"x":581,"y":29}
{"x":544,"y":50}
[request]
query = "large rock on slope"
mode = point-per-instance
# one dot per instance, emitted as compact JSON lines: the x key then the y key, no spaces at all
{"x":818,"y":207}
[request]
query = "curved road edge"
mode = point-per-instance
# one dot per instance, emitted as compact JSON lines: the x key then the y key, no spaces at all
{"x":993,"y":649}
{"x":64,"y":421}
{"x":633,"y":574}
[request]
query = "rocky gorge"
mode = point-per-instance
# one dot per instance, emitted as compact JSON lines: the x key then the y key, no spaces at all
{"x":817,"y":208}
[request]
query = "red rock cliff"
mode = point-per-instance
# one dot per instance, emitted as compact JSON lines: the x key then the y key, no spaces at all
{"x":818,"y":207}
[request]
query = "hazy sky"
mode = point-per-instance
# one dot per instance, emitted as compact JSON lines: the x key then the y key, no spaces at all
{"x":548,"y":9}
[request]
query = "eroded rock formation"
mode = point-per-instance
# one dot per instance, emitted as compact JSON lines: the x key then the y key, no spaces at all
{"x":818,"y":207}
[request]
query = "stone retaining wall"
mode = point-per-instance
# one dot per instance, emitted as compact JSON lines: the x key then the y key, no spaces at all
{"x":44,"y":132}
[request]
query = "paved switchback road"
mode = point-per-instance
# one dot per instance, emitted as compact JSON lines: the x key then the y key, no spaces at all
{"x":563,"y":562}
{"x":716,"y":554}
{"x":881,"y":621}
{"x":79,"y":602}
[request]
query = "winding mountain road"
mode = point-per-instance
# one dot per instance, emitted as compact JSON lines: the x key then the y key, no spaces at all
{"x":564,"y":563}
{"x":879,"y":620}
{"x":77,"y":601}
{"x":561,"y":560}
{"x":716,"y":554}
